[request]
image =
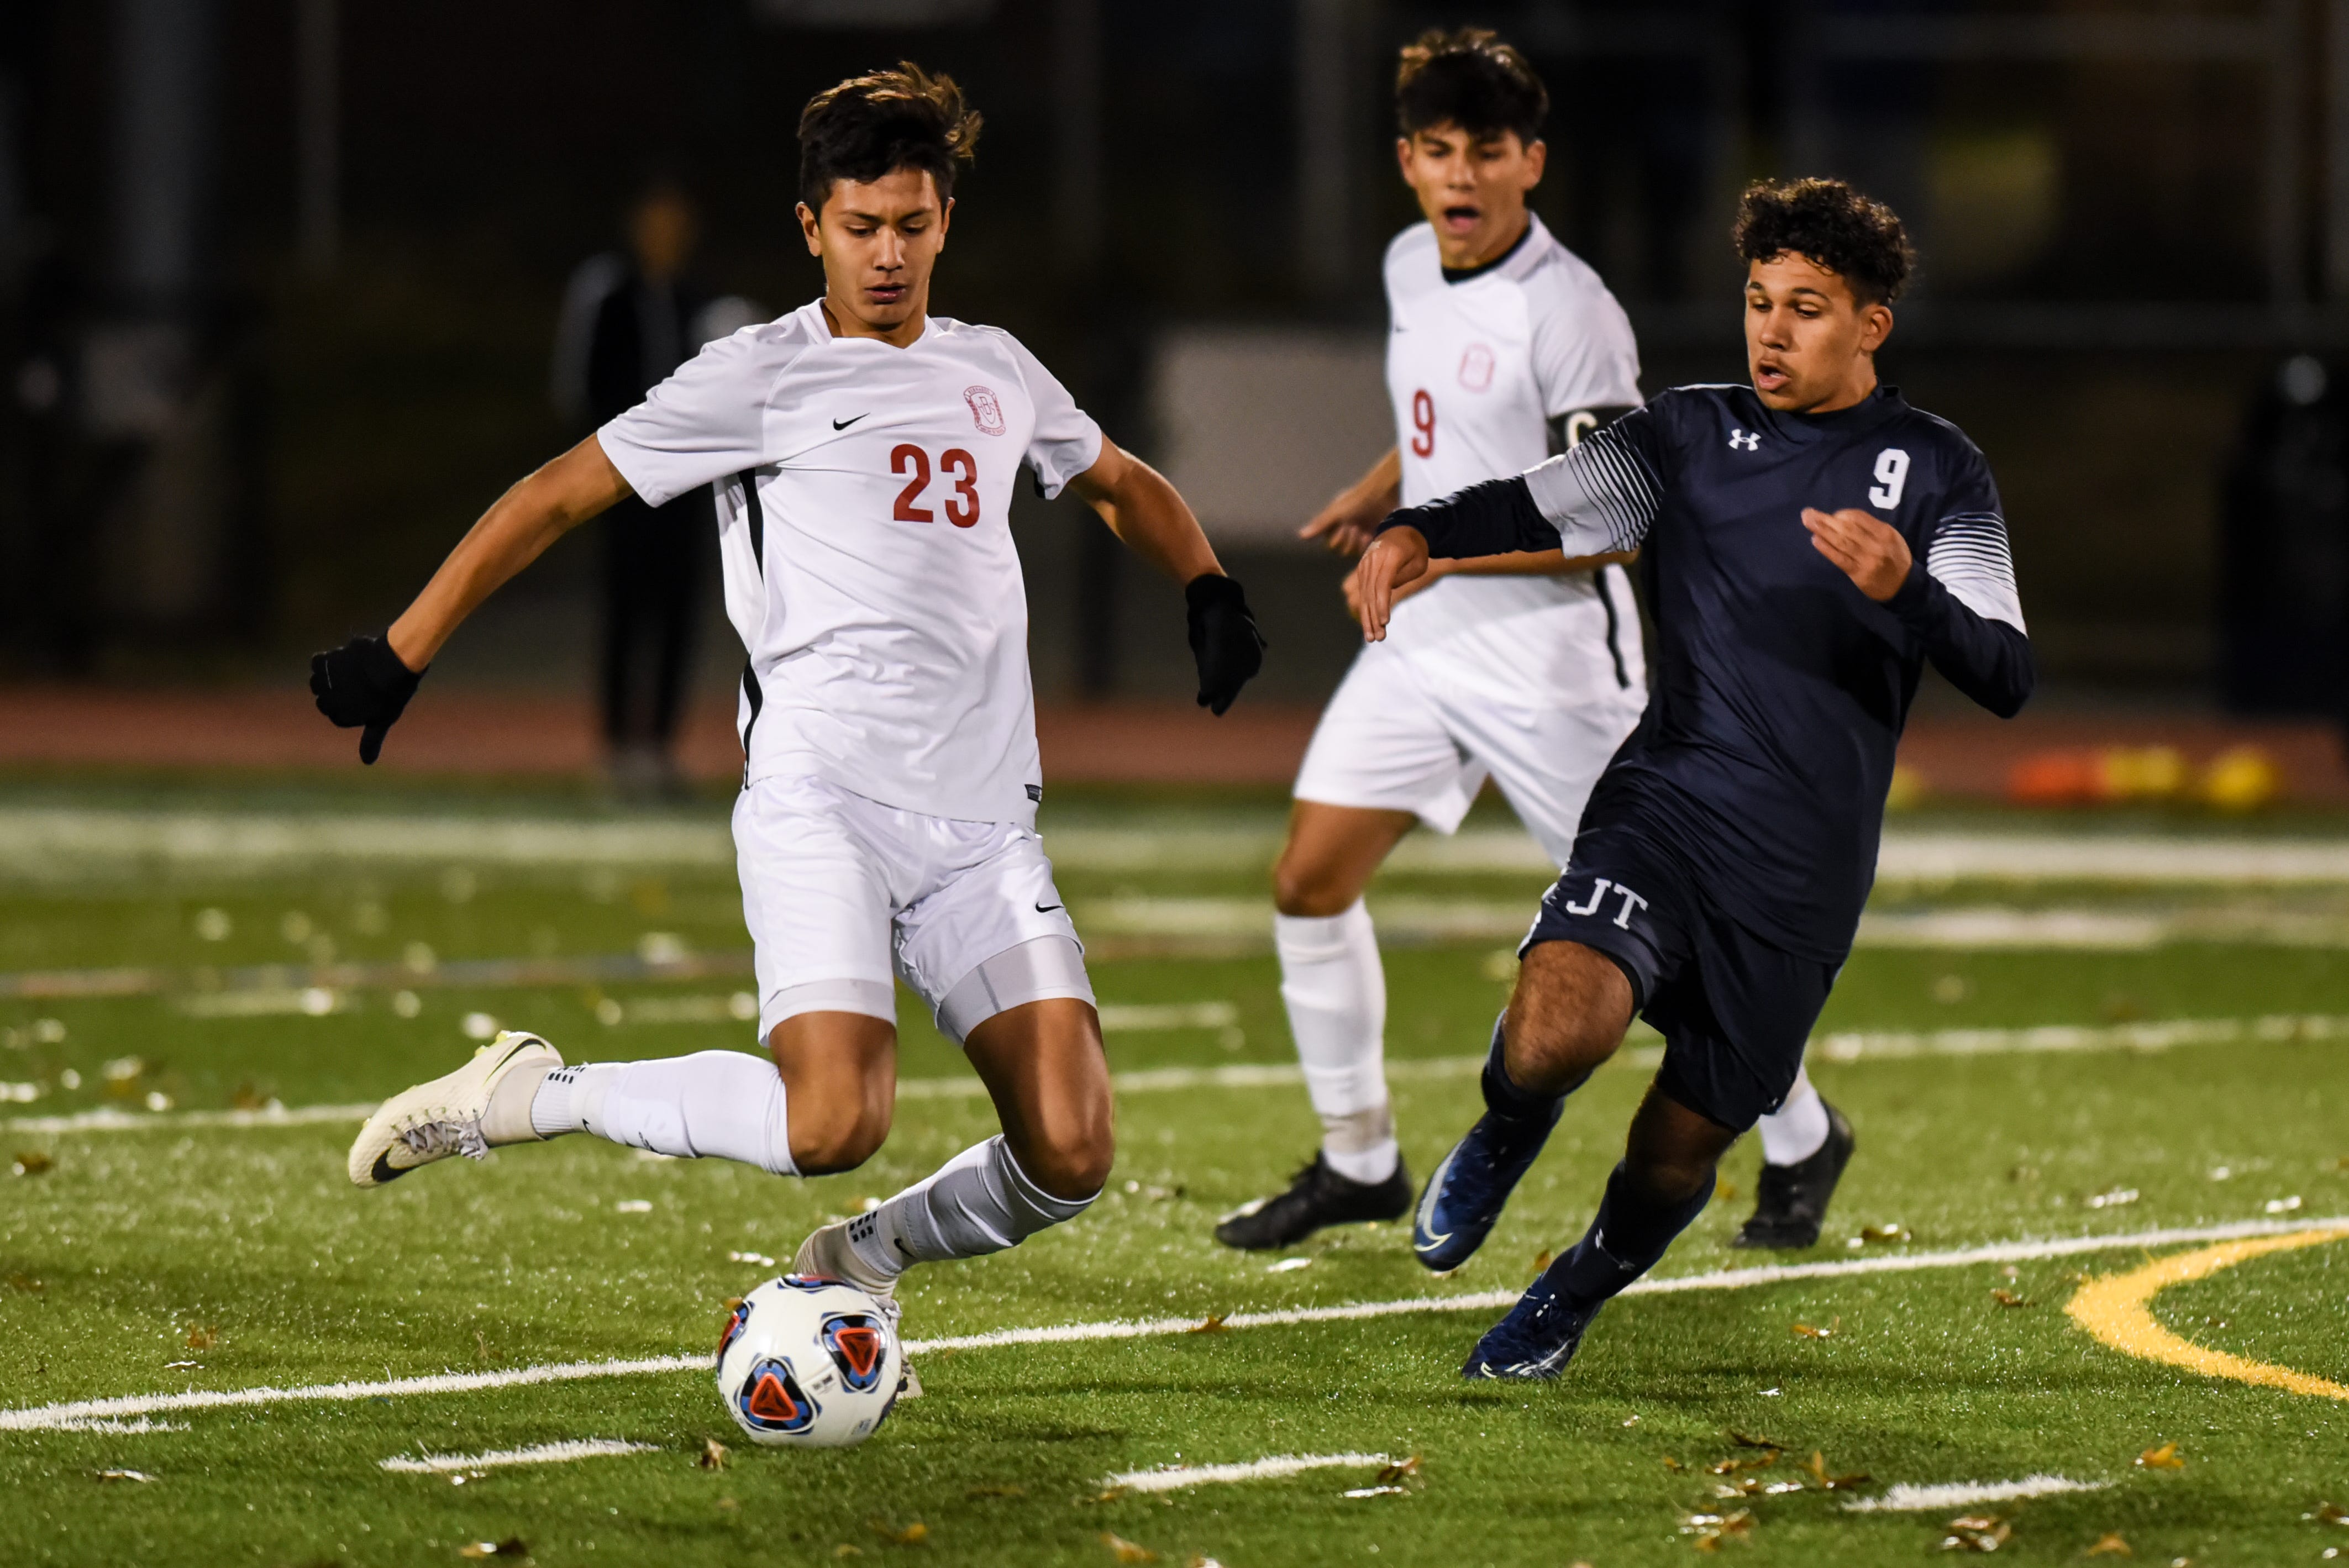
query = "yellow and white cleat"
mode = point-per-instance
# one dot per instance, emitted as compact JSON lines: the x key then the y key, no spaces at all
{"x":436,"y":1120}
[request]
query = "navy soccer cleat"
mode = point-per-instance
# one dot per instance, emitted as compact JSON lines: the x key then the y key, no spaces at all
{"x":1465,"y":1195}
{"x":1535,"y":1341}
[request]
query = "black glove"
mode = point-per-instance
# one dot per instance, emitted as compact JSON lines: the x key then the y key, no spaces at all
{"x":1224,"y":639}
{"x":363,"y":682}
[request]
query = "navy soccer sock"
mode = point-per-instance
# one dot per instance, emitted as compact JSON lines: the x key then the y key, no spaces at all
{"x":1629,"y":1234}
{"x":1506,"y":1099}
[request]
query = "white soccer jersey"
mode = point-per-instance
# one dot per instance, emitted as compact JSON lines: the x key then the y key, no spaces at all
{"x":1477,"y":369}
{"x":869,"y":563}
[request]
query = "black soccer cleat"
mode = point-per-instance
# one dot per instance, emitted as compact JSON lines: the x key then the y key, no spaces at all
{"x":1792,"y":1202}
{"x":1316,"y":1196}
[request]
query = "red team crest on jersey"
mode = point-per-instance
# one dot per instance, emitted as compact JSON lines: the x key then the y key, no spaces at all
{"x":1476,"y":367}
{"x":985,"y":411}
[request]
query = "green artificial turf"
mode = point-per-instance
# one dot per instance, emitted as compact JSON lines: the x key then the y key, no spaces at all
{"x":245,"y":1252}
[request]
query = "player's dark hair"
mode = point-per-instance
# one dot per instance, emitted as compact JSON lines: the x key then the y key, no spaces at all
{"x":1470,"y":78}
{"x":873,"y":125}
{"x":1857,"y":239}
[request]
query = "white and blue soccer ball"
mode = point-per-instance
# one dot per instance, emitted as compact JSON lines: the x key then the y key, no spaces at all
{"x":809,"y":1363}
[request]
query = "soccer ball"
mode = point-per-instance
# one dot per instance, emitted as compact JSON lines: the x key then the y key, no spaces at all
{"x":809,"y":1363}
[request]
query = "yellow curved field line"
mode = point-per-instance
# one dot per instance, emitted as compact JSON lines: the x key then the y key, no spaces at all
{"x":2118,"y":1310}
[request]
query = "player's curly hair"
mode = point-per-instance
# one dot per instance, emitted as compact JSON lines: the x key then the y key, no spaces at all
{"x":870,"y":125}
{"x":1470,"y":78}
{"x":1853,"y":236}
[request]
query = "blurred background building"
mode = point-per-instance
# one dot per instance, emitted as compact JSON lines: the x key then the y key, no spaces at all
{"x":279,"y":280}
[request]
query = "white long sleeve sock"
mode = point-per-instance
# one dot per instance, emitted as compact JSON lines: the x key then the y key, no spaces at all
{"x":979,"y":1201}
{"x":1795,"y":1130}
{"x":725,"y":1105}
{"x":1336,"y":993}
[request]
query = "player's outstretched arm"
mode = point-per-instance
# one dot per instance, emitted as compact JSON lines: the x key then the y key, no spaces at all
{"x":366,"y":684}
{"x":1154,"y":522}
{"x":1348,"y":523}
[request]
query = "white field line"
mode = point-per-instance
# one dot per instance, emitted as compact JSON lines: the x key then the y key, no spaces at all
{"x":1274,"y":1467}
{"x":1241,"y":924}
{"x":57,"y":1417}
{"x":543,"y":1454}
{"x":1905,"y":1497}
{"x":1844,"y":1047}
{"x":57,"y":839}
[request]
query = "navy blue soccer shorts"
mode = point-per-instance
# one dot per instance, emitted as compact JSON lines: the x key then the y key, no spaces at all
{"x":1735,"y":1012}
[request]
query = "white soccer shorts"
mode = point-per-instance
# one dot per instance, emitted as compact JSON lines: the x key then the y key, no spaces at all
{"x":842,"y":892}
{"x":1408,"y":732}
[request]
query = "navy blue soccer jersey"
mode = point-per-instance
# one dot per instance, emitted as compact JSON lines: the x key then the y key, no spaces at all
{"x":1779,"y":689}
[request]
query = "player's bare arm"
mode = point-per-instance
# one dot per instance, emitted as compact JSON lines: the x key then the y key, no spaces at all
{"x":1399,"y":557}
{"x":1346,"y":525}
{"x":366,"y":684}
{"x":1152,"y":520}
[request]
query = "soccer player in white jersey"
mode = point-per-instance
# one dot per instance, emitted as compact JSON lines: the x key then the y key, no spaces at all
{"x":1503,"y":347}
{"x":863,"y":453}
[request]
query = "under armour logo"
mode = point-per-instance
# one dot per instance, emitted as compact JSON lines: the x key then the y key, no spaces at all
{"x":1599,"y":891}
{"x":1739,"y":441}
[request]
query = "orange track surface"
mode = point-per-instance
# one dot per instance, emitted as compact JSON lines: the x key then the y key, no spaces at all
{"x":474,"y":732}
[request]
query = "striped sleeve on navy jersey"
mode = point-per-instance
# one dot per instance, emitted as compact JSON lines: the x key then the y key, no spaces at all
{"x":1601,"y":494}
{"x":1968,"y":554}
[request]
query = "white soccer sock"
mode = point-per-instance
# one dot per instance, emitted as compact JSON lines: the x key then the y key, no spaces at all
{"x":1336,"y":995}
{"x":1796,"y":1130}
{"x":725,"y":1105}
{"x":979,"y":1201}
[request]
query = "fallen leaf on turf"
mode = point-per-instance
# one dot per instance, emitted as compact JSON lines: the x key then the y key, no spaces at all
{"x":1400,"y":1471}
{"x":124,"y":1475}
{"x":1630,"y":1420}
{"x":201,"y":1338}
{"x":1723,"y":1191}
{"x":1811,"y":1331}
{"x":1976,"y":1532}
{"x":1817,"y":1470}
{"x":2110,"y":1544}
{"x":845,"y":1550}
{"x":2008,"y":1298}
{"x":727,"y":1505}
{"x":2327,"y":1513}
{"x":1212,"y":1323}
{"x":1114,"y":1494}
{"x":996,"y":1492}
{"x":1731,"y":1465}
{"x":1203,"y":1562}
{"x":913,"y":1534}
{"x":26,"y":1284}
{"x":512,"y":1546}
{"x":1542,"y":1260}
{"x":1711,"y":1529}
{"x":1892,"y":1231}
{"x":2166,"y":1456}
{"x":1744,"y":1440}
{"x":1674,"y":1465}
{"x":32,"y":1162}
{"x":1126,"y":1551}
{"x":713,"y":1455}
{"x":1748,"y":1486}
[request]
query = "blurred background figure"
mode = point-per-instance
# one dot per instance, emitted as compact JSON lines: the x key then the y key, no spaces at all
{"x":628,"y":320}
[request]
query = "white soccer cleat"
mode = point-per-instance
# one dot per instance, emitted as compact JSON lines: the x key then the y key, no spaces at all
{"x":828,"y":1254}
{"x":436,"y":1120}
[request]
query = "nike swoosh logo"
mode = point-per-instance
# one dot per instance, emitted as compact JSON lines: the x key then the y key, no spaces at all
{"x":1426,"y":1216}
{"x":1047,"y":908}
{"x":384,"y":1169}
{"x":843,"y":424}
